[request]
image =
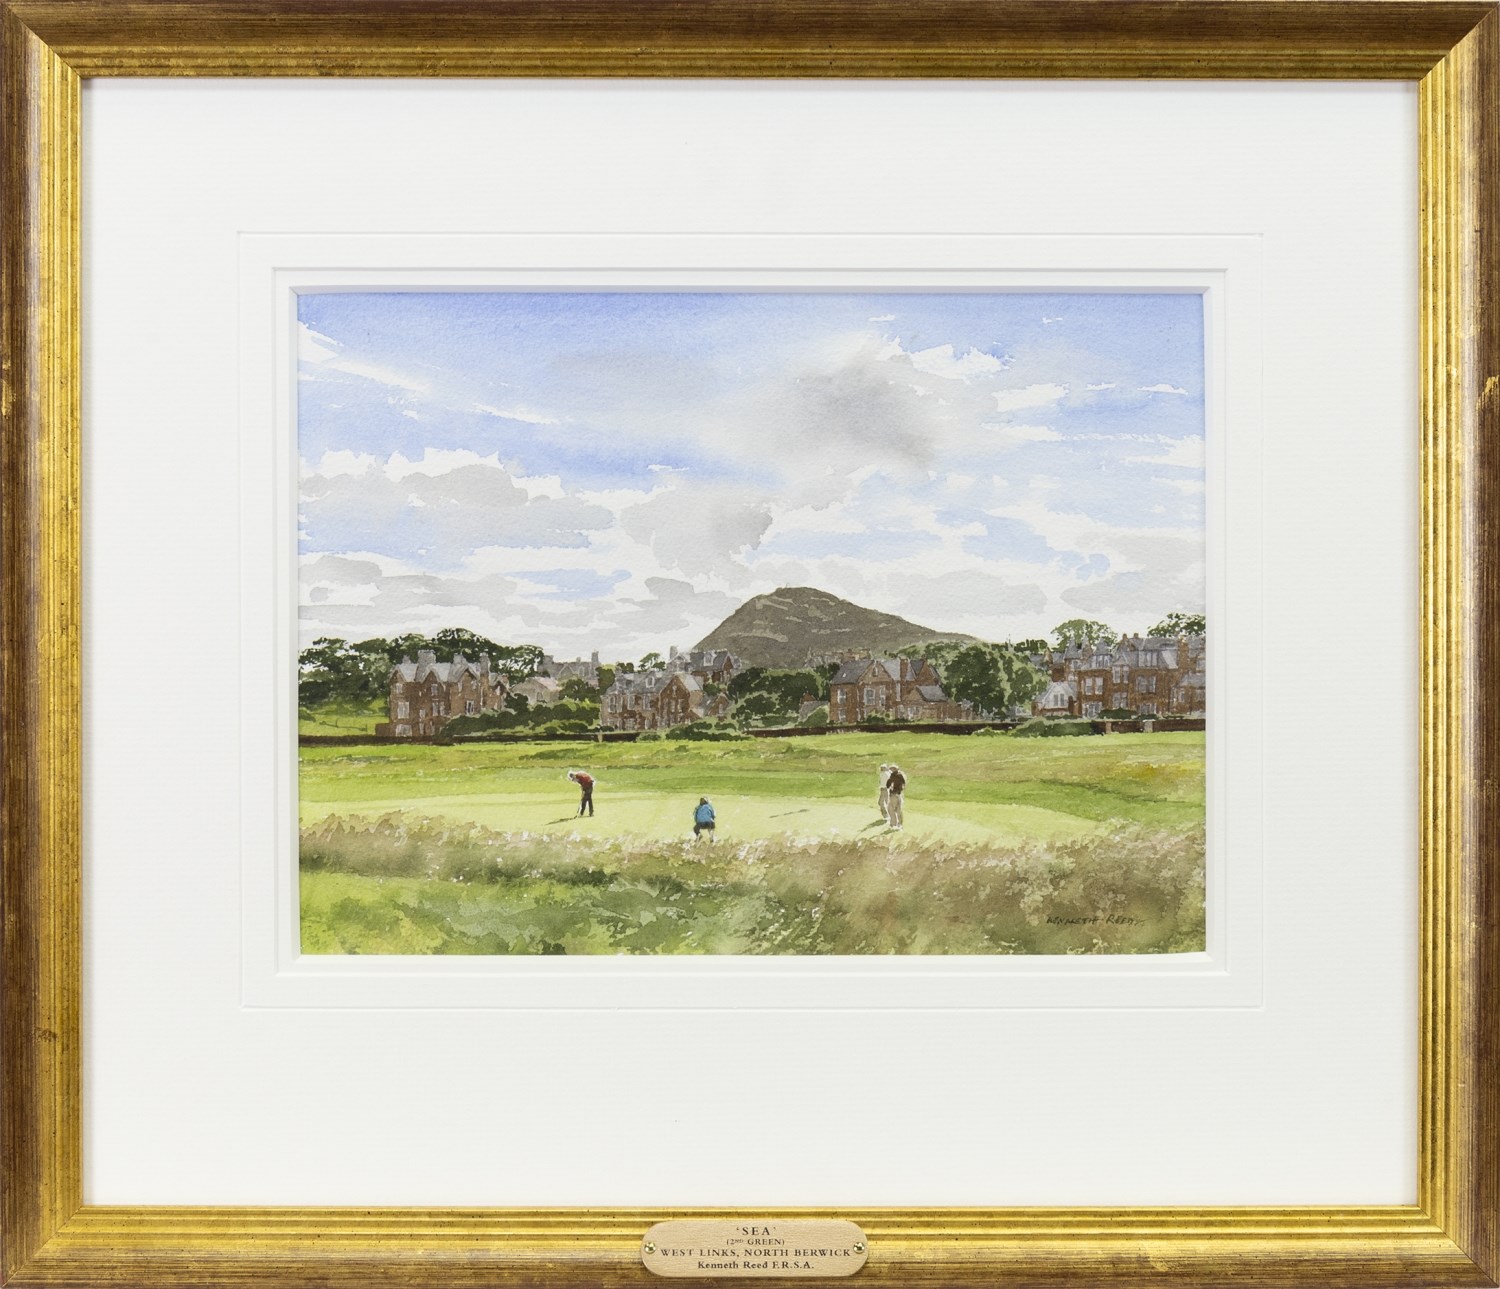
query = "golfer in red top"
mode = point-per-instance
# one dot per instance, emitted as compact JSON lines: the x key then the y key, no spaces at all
{"x":585,"y":783}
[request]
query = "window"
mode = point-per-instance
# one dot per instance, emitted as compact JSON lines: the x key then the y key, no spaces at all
{"x":1091,"y":709}
{"x":1145,"y":684}
{"x":869,"y":693}
{"x":1121,"y":674}
{"x":1148,"y":709}
{"x":403,"y":709}
{"x":470,"y":707}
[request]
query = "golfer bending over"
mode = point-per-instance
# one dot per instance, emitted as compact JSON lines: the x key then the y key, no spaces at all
{"x":703,"y":819}
{"x":585,"y":784}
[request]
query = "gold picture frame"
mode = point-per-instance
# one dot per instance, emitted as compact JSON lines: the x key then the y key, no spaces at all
{"x":1451,"y":47}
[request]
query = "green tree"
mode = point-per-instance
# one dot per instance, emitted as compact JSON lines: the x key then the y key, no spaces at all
{"x":993,"y":677}
{"x":332,"y":670}
{"x":578,"y":689}
{"x":1180,"y":624}
{"x":651,"y":661}
{"x":745,"y":682}
{"x":767,"y":693}
{"x":516,"y":662}
{"x":1030,"y":646}
{"x":1083,"y":631}
{"x":938,"y":652}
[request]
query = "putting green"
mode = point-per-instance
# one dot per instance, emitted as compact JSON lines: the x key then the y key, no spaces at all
{"x":632,"y":813}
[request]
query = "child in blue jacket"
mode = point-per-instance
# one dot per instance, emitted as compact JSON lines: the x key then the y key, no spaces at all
{"x":703,"y":819}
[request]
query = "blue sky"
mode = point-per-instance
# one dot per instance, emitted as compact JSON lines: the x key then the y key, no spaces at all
{"x":621,"y":470}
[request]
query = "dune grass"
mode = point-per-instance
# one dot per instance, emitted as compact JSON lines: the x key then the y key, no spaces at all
{"x":396,"y":885}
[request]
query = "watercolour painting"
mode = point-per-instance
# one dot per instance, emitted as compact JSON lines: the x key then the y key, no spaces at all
{"x":716,"y":622}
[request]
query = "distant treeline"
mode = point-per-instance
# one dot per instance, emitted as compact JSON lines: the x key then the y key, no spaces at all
{"x":338,"y":671}
{"x":995,"y":678}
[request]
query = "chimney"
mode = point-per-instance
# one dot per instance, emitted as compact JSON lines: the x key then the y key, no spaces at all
{"x":484,"y":663}
{"x":671,"y":652}
{"x":594,"y":657}
{"x":426,"y":657}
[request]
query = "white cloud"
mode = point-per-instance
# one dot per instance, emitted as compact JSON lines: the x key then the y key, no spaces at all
{"x":1185,"y":453}
{"x":1190,"y":487}
{"x":448,"y":504}
{"x":313,"y":347}
{"x":1162,"y":388}
{"x":941,"y":360}
{"x":321,"y":352}
{"x":341,"y":462}
{"x":1009,"y":436}
{"x":527,"y":414}
{"x":1109,"y":384}
{"x":1011,"y":400}
{"x":884,"y":317}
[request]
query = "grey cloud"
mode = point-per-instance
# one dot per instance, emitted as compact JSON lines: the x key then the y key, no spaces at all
{"x":405,"y":597}
{"x":447,"y":515}
{"x":1169,"y":579}
{"x":340,"y":570}
{"x":1161,"y":552}
{"x":833,"y":415}
{"x":856,"y":408}
{"x":577,"y":616}
{"x":405,"y":592}
{"x":1140,"y":592}
{"x":945,"y":596}
{"x":699,"y":529}
{"x":674,"y":606}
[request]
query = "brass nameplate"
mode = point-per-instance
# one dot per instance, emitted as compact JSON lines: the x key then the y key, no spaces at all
{"x":740,"y":1247}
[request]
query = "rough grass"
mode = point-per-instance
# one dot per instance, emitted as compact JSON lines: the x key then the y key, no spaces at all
{"x":398,"y":884}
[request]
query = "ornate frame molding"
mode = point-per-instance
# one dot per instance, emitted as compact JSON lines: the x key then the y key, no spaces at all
{"x":1452,"y":47}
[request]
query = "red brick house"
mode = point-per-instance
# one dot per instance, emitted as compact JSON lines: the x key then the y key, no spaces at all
{"x":658,"y":699}
{"x":905,"y":689}
{"x":426,"y":694}
{"x":683,"y":700}
{"x":1148,"y":675}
